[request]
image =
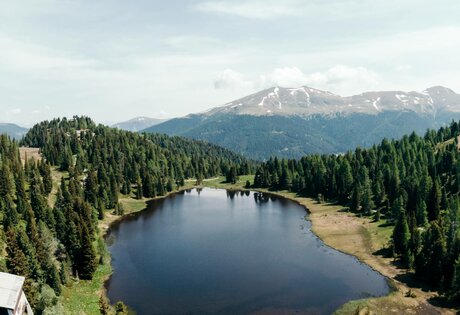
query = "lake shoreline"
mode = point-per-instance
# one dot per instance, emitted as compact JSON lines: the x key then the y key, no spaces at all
{"x":328,"y":225}
{"x":110,"y":220}
{"x":301,"y":210}
{"x":360,"y":238}
{"x":83,"y":296}
{"x":324,"y":218}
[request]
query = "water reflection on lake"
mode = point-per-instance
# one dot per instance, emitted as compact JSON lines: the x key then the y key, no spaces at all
{"x":228,"y":252}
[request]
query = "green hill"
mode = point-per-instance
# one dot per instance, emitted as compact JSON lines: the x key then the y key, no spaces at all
{"x":260,"y":137}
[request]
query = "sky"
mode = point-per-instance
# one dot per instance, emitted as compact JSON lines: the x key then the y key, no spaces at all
{"x":115,"y":59}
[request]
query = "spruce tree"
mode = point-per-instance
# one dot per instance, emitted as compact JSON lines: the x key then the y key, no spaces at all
{"x":86,"y":261}
{"x":45,"y":171}
{"x":421,"y":212}
{"x":431,"y":259}
{"x":139,"y":189}
{"x":356,"y":199}
{"x":6,"y":181}
{"x":434,"y":205}
{"x":401,"y":239}
{"x":91,"y":188}
{"x":10,"y":215}
{"x":367,"y":197}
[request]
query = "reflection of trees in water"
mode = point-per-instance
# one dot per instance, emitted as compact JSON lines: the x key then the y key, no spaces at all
{"x":231,"y":194}
{"x":199,"y":190}
{"x":261,"y":197}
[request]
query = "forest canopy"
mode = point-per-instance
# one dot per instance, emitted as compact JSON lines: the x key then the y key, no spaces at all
{"x":49,"y":226}
{"x":412,"y":183}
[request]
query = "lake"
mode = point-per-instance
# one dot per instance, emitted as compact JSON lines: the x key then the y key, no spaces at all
{"x":213,"y":251}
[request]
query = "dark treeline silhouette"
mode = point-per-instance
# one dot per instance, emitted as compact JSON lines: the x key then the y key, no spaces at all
{"x":51,"y":234}
{"x":412,"y":183}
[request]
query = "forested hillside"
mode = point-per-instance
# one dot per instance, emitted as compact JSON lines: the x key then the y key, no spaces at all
{"x":50,"y":238}
{"x":261,"y":137}
{"x":412,"y":183}
{"x":293,"y":122}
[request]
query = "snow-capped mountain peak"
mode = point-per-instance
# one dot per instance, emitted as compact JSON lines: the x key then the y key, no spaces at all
{"x":306,"y":101}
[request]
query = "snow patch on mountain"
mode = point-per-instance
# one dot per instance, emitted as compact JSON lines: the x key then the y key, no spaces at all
{"x":307,"y":101}
{"x":374,"y":103}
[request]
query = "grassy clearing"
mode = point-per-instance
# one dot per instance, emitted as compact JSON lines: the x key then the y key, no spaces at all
{"x":363,"y":238}
{"x":56,"y":175}
{"x":82,"y":297}
{"x":219,"y":182}
{"x":447,"y":142}
{"x":132,"y":205}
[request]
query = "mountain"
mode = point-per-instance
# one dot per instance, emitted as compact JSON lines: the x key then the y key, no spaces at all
{"x":291,"y":122}
{"x":138,"y":123}
{"x":13,"y":130}
{"x":305,"y":101}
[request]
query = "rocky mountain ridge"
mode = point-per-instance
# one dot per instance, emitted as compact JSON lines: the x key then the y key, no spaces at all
{"x":306,"y":101}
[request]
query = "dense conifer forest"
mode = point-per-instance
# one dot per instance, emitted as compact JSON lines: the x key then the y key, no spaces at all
{"x":412,"y":183}
{"x":50,"y":234}
{"x":50,"y":231}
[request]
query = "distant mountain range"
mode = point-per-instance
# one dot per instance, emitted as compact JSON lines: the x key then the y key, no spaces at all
{"x":305,"y":101}
{"x":138,"y":123}
{"x":291,"y":122}
{"x":13,"y":130}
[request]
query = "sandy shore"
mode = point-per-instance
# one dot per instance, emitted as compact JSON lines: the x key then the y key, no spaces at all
{"x":362,"y":238}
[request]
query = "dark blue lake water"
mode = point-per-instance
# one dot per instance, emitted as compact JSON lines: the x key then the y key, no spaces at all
{"x":216,"y":252}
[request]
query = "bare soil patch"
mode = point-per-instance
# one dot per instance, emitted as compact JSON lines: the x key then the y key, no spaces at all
{"x":29,"y":153}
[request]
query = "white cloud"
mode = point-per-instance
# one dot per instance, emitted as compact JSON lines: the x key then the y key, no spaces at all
{"x":14,"y":111}
{"x":403,"y":68}
{"x":340,"y":74}
{"x":252,"y":9}
{"x":231,"y":79}
{"x":412,"y":43}
{"x":286,"y":77}
{"x":190,"y":40}
{"x":22,"y":55}
{"x":339,"y":79}
{"x":140,"y":60}
{"x":326,"y":9}
{"x":400,"y":48}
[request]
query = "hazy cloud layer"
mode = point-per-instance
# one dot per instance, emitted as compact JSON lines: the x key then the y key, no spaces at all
{"x":114,"y":59}
{"x":252,"y":9}
{"x":339,"y":78}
